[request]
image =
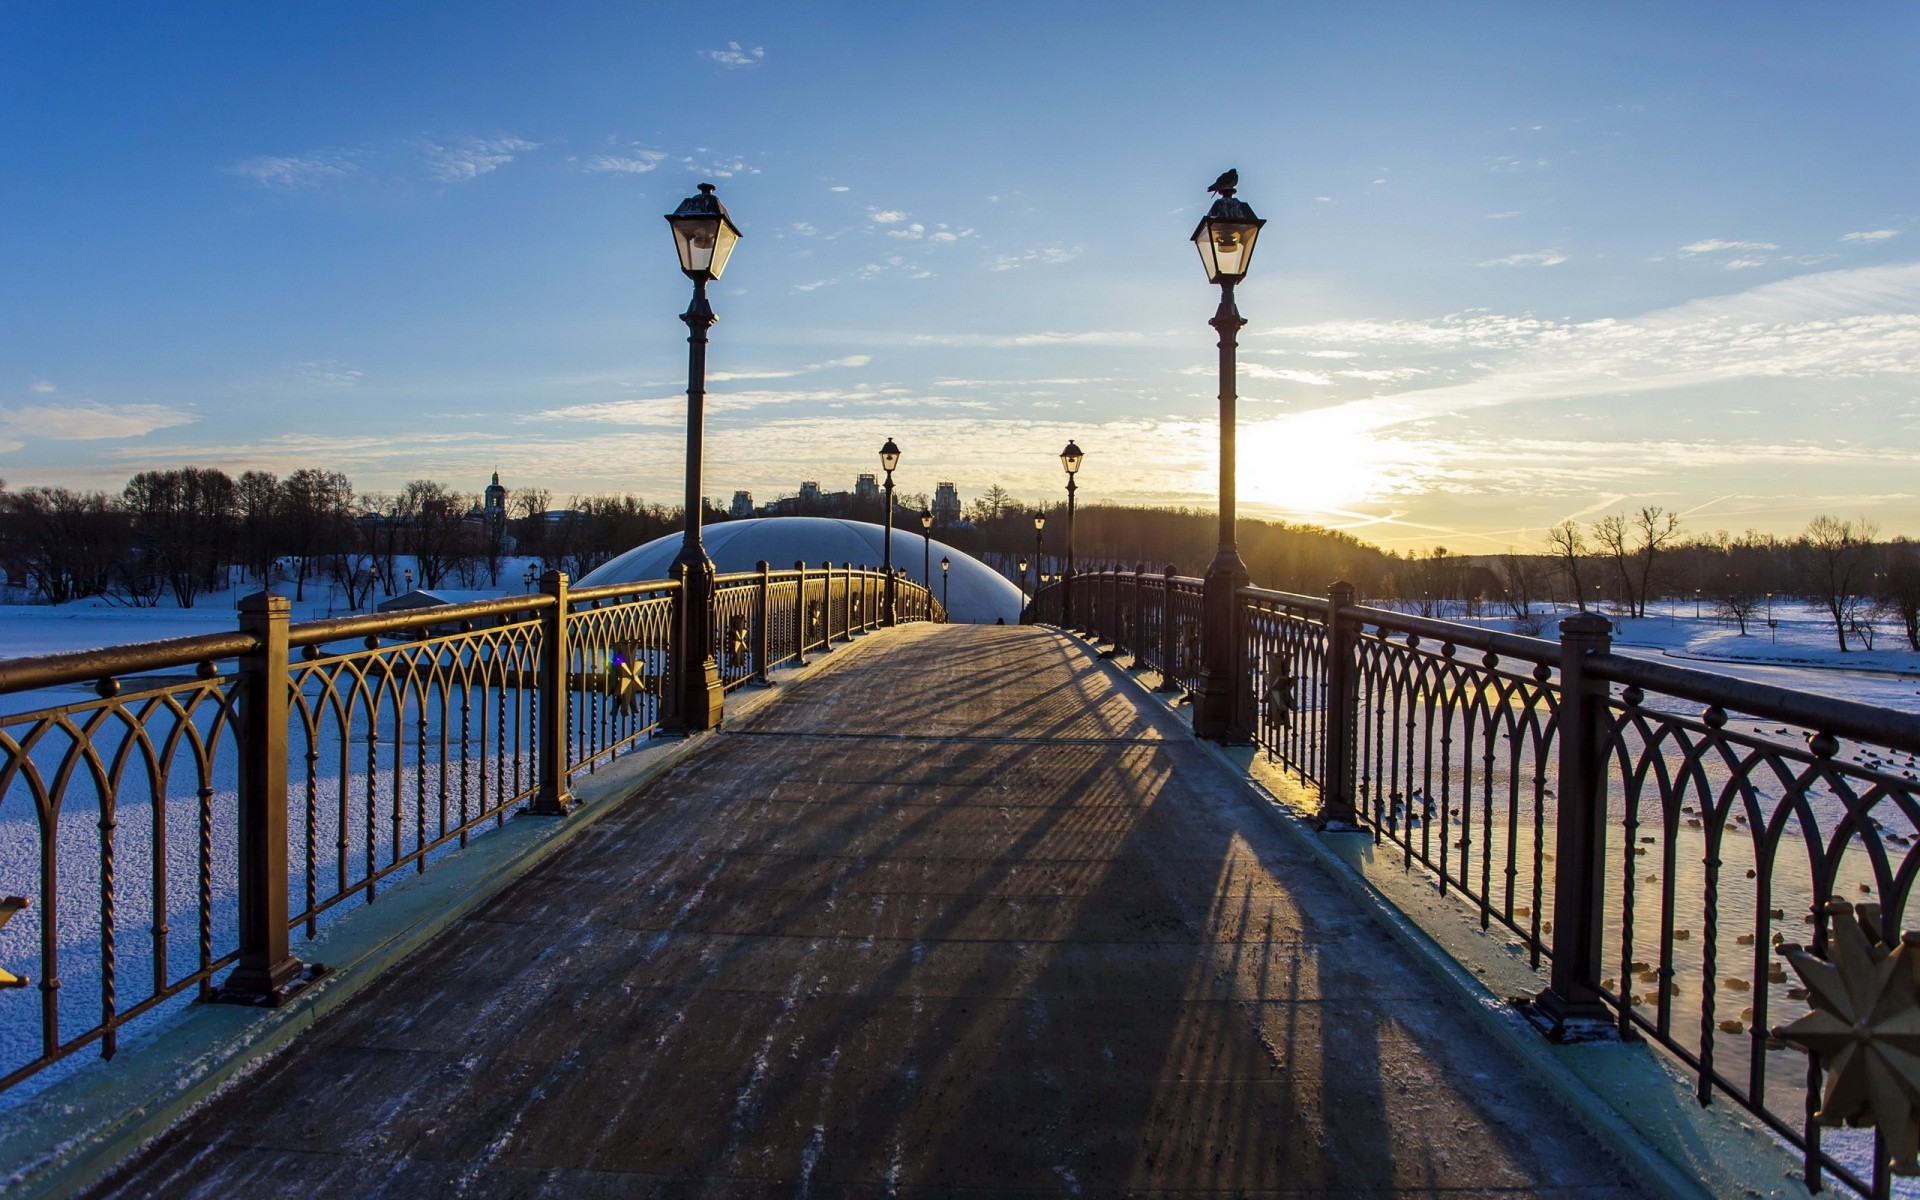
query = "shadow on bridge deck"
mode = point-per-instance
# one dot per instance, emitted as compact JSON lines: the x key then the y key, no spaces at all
{"x":957,"y":913}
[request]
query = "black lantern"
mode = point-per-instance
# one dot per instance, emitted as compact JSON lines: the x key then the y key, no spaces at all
{"x":1225,"y":236}
{"x":889,"y":459}
{"x":704,"y":235}
{"x":1070,"y":460}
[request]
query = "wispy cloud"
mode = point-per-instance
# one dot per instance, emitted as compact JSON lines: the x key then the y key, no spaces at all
{"x":466,"y":159}
{"x":885,"y":216}
{"x":1042,"y":256}
{"x":43,"y":387}
{"x":638,"y":162}
{"x":736,"y":55}
{"x":328,"y":374}
{"x":1870,"y":235}
{"x":84,"y":422}
{"x":1832,"y":325}
{"x":1536,"y":258}
{"x":293,"y":170}
{"x":1746,"y":255}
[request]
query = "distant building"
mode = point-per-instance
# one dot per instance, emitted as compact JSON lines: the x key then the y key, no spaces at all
{"x":742,"y":505}
{"x":809,"y":493}
{"x":866,"y":487}
{"x":496,"y":504}
{"x":946,"y":503}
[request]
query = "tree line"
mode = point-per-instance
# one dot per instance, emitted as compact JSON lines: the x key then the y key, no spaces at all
{"x":180,"y":532}
{"x":1625,"y":562}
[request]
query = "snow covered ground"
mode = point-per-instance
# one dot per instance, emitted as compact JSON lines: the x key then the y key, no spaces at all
{"x":1798,"y":651}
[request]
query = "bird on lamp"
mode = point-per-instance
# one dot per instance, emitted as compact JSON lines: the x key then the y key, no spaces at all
{"x":1225,"y":185}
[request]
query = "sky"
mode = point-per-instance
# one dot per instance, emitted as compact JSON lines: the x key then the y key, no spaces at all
{"x":1523,"y":262}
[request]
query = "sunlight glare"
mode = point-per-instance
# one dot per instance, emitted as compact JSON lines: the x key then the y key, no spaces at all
{"x":1323,"y":461}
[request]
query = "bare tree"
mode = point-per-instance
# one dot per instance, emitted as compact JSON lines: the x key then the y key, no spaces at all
{"x":1834,"y":567}
{"x":1654,"y":529}
{"x":1523,"y":582}
{"x":1610,"y":535}
{"x":69,"y":543}
{"x":318,"y":512}
{"x":1900,"y":589}
{"x":1569,"y":548}
{"x":434,"y":516}
{"x":1733,"y":574}
{"x":257,"y":496}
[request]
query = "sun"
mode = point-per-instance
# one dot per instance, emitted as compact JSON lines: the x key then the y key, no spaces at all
{"x":1323,"y":461}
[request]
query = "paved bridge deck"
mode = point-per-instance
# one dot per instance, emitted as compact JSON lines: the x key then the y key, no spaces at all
{"x":956,"y":913}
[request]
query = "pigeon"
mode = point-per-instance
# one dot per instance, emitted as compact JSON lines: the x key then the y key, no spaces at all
{"x":1226,"y":183}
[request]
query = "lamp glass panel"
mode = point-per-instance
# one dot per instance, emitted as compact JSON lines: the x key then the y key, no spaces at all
{"x":1226,"y":247}
{"x":725,"y":237}
{"x":695,"y":238}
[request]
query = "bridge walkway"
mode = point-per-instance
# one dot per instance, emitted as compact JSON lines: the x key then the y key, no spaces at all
{"x":958,"y":913}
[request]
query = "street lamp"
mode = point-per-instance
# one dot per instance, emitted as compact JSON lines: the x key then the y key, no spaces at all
{"x":1023,"y":575}
{"x":704,"y":237}
{"x":889,"y":459}
{"x":1039,"y":551}
{"x":945,"y":564}
{"x":409,"y":586}
{"x":527,"y":579}
{"x":1225,"y":238}
{"x":926,"y":549}
{"x":1069,"y":459}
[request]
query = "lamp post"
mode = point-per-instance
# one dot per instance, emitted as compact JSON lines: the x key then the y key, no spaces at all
{"x":1070,"y":459}
{"x":1225,"y":238}
{"x":409,"y":586}
{"x":704,"y":236}
{"x":1039,"y":551}
{"x":945,"y":564}
{"x":527,"y":579}
{"x":889,"y":459}
{"x":1023,"y":576}
{"x":926,"y":549}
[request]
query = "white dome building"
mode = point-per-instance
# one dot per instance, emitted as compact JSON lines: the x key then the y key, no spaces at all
{"x":976,"y":593}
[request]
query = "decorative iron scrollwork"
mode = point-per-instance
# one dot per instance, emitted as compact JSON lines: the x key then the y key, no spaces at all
{"x":1864,"y":1028}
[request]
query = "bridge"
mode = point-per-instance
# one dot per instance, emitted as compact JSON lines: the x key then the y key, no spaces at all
{"x":937,"y":909}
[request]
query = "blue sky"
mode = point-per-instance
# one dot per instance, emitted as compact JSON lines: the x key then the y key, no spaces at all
{"x":1524,"y":262}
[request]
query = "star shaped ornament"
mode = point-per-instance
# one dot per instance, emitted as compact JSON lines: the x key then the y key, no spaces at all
{"x":1280,"y":691}
{"x":627,"y":679}
{"x":1864,"y":1028}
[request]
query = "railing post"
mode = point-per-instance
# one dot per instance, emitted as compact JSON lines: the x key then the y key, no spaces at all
{"x":846,"y":600}
{"x":1169,"y":681}
{"x":1336,"y":789}
{"x":1571,"y":1004}
{"x":1139,"y":618}
{"x":553,"y":798}
{"x":267,"y":973}
{"x":800,"y":630}
{"x":763,"y":626}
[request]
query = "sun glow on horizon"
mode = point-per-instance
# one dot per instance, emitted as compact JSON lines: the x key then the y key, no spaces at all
{"x":1326,"y":461}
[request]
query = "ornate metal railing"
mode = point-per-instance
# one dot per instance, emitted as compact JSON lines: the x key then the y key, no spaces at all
{"x":173,"y":811}
{"x":1650,"y":835}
